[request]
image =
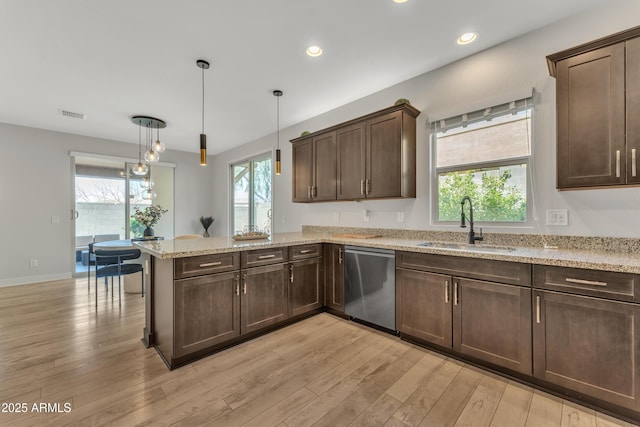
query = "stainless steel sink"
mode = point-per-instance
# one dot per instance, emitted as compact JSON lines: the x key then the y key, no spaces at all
{"x":467,"y":247}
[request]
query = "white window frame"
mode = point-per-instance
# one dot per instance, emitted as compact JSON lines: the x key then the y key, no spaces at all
{"x":435,"y":171}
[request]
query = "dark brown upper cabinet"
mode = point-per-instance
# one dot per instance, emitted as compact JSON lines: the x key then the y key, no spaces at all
{"x":314,"y":168}
{"x":374,"y":157}
{"x":598,"y":100}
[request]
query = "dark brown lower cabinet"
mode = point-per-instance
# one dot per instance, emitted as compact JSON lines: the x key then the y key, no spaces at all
{"x":334,"y":277}
{"x":423,"y":306}
{"x":207,"y":311}
{"x":589,"y":345}
{"x":488,"y":321}
{"x":306,"y":281}
{"x":264,"y":297}
{"x":492,"y":322}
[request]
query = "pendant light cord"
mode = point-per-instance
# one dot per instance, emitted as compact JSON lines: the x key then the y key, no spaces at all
{"x":202,"y":100}
{"x":278,"y":121}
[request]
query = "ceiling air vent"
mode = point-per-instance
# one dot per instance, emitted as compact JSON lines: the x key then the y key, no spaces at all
{"x":71,"y":114}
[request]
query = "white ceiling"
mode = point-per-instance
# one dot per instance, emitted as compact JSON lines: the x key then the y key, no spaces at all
{"x":114,"y":59}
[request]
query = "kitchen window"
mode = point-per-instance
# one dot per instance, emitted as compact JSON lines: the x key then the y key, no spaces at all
{"x":485,"y":155}
{"x":251,"y":194}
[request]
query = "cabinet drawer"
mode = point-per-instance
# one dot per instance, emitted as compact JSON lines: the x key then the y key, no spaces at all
{"x":267,"y":256}
{"x":512,"y":273}
{"x":604,"y":284}
{"x":305,"y":251}
{"x":205,"y":264}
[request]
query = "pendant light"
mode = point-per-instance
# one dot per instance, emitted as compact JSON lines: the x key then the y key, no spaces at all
{"x":277,"y":94}
{"x":204,"y":65}
{"x":159,"y":146}
{"x":140,"y":168}
{"x":150,"y":155}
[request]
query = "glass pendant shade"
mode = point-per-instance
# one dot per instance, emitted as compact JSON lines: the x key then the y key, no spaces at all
{"x":149,"y":194}
{"x":140,"y":169}
{"x":159,"y":146}
{"x":151,"y":156}
{"x":147,"y":183}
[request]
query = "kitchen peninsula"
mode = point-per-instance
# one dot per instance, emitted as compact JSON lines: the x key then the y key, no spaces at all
{"x":553,"y":318}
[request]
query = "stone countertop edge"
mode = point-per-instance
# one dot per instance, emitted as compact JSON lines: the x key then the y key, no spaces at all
{"x":587,"y":259}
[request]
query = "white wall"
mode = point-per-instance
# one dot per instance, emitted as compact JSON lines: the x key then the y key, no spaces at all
{"x":496,"y":75}
{"x":35,"y":184}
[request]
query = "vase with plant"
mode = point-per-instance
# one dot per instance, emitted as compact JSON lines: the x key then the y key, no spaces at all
{"x":206,"y":222}
{"x":148,"y":217}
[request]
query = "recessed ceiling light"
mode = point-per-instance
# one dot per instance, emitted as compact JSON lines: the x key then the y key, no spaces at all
{"x":400,"y":1}
{"x":314,"y":51}
{"x":467,"y":38}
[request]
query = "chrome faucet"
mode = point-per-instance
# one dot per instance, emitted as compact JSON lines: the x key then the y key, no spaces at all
{"x":472,"y":235}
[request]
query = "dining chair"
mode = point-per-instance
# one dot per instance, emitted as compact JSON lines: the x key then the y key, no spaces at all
{"x":111,"y":263}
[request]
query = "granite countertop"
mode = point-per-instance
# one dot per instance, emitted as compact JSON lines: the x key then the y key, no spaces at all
{"x":626,"y":262}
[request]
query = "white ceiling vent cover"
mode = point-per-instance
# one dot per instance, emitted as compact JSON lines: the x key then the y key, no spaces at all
{"x":71,"y":114}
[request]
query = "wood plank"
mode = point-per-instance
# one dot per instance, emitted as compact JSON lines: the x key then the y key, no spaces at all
{"x":514,"y":406}
{"x":577,"y":416}
{"x":545,"y":410}
{"x":483,"y":402}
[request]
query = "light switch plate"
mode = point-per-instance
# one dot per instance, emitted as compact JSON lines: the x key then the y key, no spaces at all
{"x":557,"y":217}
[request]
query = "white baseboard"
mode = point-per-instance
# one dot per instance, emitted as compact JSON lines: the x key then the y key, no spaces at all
{"x":14,"y":281}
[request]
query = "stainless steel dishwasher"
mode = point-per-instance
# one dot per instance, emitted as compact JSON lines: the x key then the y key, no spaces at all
{"x":370,"y":286}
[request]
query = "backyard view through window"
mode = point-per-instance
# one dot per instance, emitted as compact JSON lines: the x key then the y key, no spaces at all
{"x":486,"y":160}
{"x":251,"y":192}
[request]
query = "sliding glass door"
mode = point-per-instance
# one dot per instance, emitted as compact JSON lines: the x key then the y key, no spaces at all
{"x":251,"y":194}
{"x":105,"y":196}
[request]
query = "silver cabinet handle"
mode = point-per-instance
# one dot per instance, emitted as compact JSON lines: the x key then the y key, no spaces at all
{"x":238,"y":284}
{"x":634,"y":169}
{"x":244,"y":285}
{"x":617,"y":163}
{"x":306,"y":251}
{"x":446,"y":292}
{"x":210,"y":264}
{"x":266,"y":256}
{"x":586,"y":282}
{"x":340,"y":256}
{"x":537,"y":308}
{"x":291,"y":271}
{"x":362,"y":187}
{"x":455,"y":293}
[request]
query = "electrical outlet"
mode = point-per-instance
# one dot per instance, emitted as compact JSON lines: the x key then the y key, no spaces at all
{"x":33,"y":262}
{"x":557,"y":217}
{"x":400,"y":217}
{"x":365,"y":215}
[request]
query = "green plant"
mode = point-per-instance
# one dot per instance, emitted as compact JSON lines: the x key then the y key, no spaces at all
{"x":494,"y":199}
{"x":150,"y":215}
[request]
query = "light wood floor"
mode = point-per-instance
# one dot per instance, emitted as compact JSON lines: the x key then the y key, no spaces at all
{"x":55,"y":347}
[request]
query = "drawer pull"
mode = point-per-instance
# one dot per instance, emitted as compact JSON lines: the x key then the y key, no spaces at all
{"x":446,"y":292}
{"x":537,"y":309}
{"x":306,"y":251}
{"x":210,"y":264}
{"x":586,"y":282}
{"x":266,"y":256}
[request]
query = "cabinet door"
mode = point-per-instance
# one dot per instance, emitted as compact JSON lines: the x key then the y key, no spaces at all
{"x":591,"y":118}
{"x":492,"y":322}
{"x":350,"y":145}
{"x":633,"y":110}
{"x":334,"y":277}
{"x":207,"y":311}
{"x":305,"y":286}
{"x":324,"y":167}
{"x":423,"y":306}
{"x":302,"y":164}
{"x":384,"y":156}
{"x":264,"y":297}
{"x":589,"y":345}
